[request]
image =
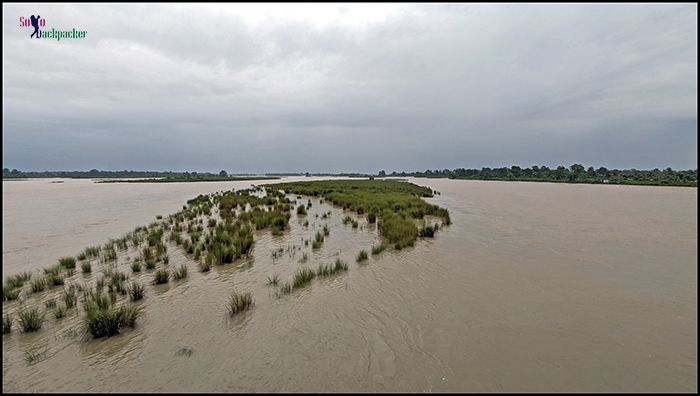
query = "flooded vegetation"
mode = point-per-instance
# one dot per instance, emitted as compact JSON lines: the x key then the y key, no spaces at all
{"x":406,"y":301}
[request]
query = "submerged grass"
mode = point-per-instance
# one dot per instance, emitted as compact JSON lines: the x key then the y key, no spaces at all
{"x":239,"y":302}
{"x":302,"y":277}
{"x":362,"y":256}
{"x":330,"y":269}
{"x":136,"y":291}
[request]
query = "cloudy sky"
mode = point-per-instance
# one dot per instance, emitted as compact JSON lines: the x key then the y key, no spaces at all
{"x":341,"y":88}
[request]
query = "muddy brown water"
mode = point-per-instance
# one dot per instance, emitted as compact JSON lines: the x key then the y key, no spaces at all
{"x":534,"y":287}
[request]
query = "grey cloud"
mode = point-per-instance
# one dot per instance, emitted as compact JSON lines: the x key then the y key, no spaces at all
{"x":430,"y":86}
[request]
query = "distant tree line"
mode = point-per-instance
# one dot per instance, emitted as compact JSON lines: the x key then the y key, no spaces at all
{"x":576,"y":173}
{"x":94,"y":174}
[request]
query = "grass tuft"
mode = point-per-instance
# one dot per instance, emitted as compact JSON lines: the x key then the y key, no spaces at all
{"x":239,"y":302}
{"x":30,"y":319}
{"x":362,"y":256}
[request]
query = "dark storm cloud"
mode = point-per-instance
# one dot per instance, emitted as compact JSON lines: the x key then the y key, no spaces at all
{"x":351,"y":88}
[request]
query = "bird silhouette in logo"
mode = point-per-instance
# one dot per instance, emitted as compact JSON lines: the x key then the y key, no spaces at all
{"x":35,"y":23}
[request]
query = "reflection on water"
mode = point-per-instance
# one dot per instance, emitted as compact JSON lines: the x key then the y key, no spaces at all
{"x":534,"y":287}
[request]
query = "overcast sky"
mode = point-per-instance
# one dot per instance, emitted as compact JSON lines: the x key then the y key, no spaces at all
{"x":341,"y":88}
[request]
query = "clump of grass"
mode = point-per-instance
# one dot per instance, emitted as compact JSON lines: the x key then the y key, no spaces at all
{"x":39,"y":284}
{"x":354,"y":224}
{"x":211,"y":223}
{"x":136,"y":291}
{"x":330,"y":269}
{"x":371,"y":217}
{"x":326,"y":230}
{"x":306,"y":223}
{"x":30,"y":319}
{"x":347,"y":219}
{"x":378,"y":249}
{"x":136,"y":266}
{"x":67,"y":262}
{"x":161,"y":276}
{"x":180,"y":272}
{"x":102,"y":319}
{"x":116,"y":283}
{"x":6,"y":324}
{"x":301,"y":210}
{"x":70,"y":297}
{"x":274,"y":280}
{"x":86,"y":267}
{"x":362,"y":256}
{"x":10,"y":294}
{"x":60,"y":311}
{"x":302,"y":276}
{"x":82,"y":256}
{"x":17,"y":280}
{"x":92,"y":251}
{"x":304,"y":258}
{"x":239,"y":302}
{"x":166,"y":259}
{"x":53,"y":270}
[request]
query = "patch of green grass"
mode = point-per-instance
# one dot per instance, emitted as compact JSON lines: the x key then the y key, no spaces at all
{"x":395,"y":204}
{"x":180,"y":272}
{"x":161,"y":276}
{"x":362,"y":256}
{"x":67,"y":262}
{"x":103,"y":319}
{"x":136,"y":266}
{"x":302,"y":276}
{"x":30,"y":319}
{"x":239,"y":302}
